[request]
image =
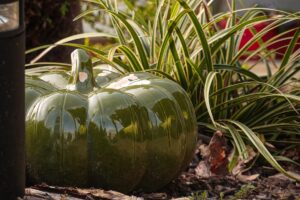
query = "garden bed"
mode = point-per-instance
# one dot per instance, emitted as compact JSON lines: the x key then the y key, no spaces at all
{"x":192,"y":184}
{"x":186,"y":187}
{"x":235,"y":81}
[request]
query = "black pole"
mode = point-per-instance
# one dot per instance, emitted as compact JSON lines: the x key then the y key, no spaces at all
{"x":12,"y":47}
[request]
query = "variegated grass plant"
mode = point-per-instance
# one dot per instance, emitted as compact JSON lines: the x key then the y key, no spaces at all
{"x":184,"y":43}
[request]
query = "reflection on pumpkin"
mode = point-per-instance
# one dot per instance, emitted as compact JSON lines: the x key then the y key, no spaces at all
{"x":136,"y":131}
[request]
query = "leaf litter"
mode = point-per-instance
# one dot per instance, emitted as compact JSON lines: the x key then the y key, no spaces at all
{"x":207,"y":177}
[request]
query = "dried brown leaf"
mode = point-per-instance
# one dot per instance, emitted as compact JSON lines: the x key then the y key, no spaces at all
{"x":215,"y":157}
{"x":247,"y":178}
{"x":240,"y":166}
{"x":203,"y":170}
{"x":218,"y":154}
{"x":283,"y":177}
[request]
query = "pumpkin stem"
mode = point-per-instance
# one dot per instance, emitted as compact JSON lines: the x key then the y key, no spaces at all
{"x":82,"y":78}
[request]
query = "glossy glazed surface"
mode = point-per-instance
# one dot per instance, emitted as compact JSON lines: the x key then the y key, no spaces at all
{"x":122,"y":132}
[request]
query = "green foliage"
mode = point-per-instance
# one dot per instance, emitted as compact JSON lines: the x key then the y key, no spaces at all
{"x":183,"y":42}
{"x":64,"y":8}
{"x":142,"y":10}
{"x":243,"y":192}
{"x":202,"y":196}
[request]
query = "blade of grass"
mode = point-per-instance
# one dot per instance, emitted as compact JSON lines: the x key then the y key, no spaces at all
{"x":261,"y":148}
{"x":238,"y":141}
{"x":207,"y":87}
{"x":200,"y":33}
{"x":137,"y":41}
{"x":65,"y":40}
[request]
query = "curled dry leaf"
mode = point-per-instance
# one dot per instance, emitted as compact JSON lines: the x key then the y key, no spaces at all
{"x":218,"y":154}
{"x":246,"y":178}
{"x":204,"y":150}
{"x":215,"y":157}
{"x":202,"y":170}
{"x":239,"y":169}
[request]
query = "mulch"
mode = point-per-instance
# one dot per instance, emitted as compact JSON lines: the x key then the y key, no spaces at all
{"x":191,"y":185}
{"x":187,"y":186}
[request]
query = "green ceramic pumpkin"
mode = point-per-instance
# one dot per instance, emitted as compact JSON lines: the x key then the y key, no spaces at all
{"x":98,"y":128}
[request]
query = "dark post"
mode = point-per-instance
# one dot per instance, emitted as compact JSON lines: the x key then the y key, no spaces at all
{"x":12,"y":162}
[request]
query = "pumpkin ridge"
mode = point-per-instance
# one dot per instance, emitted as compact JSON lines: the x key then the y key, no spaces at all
{"x":157,"y":90}
{"x":134,"y":131}
{"x":61,"y":129}
{"x":135,"y":170}
{"x":190,"y":124}
{"x":177,"y":109}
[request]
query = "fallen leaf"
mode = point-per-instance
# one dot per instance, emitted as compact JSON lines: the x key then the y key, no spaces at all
{"x":240,"y":166}
{"x":202,"y":170}
{"x":215,"y":157}
{"x":218,"y":154}
{"x":239,"y":169}
{"x":283,"y":177}
{"x":246,"y":178}
{"x":251,"y":154}
{"x":77,"y":193}
{"x":155,"y":196}
{"x":204,"y":150}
